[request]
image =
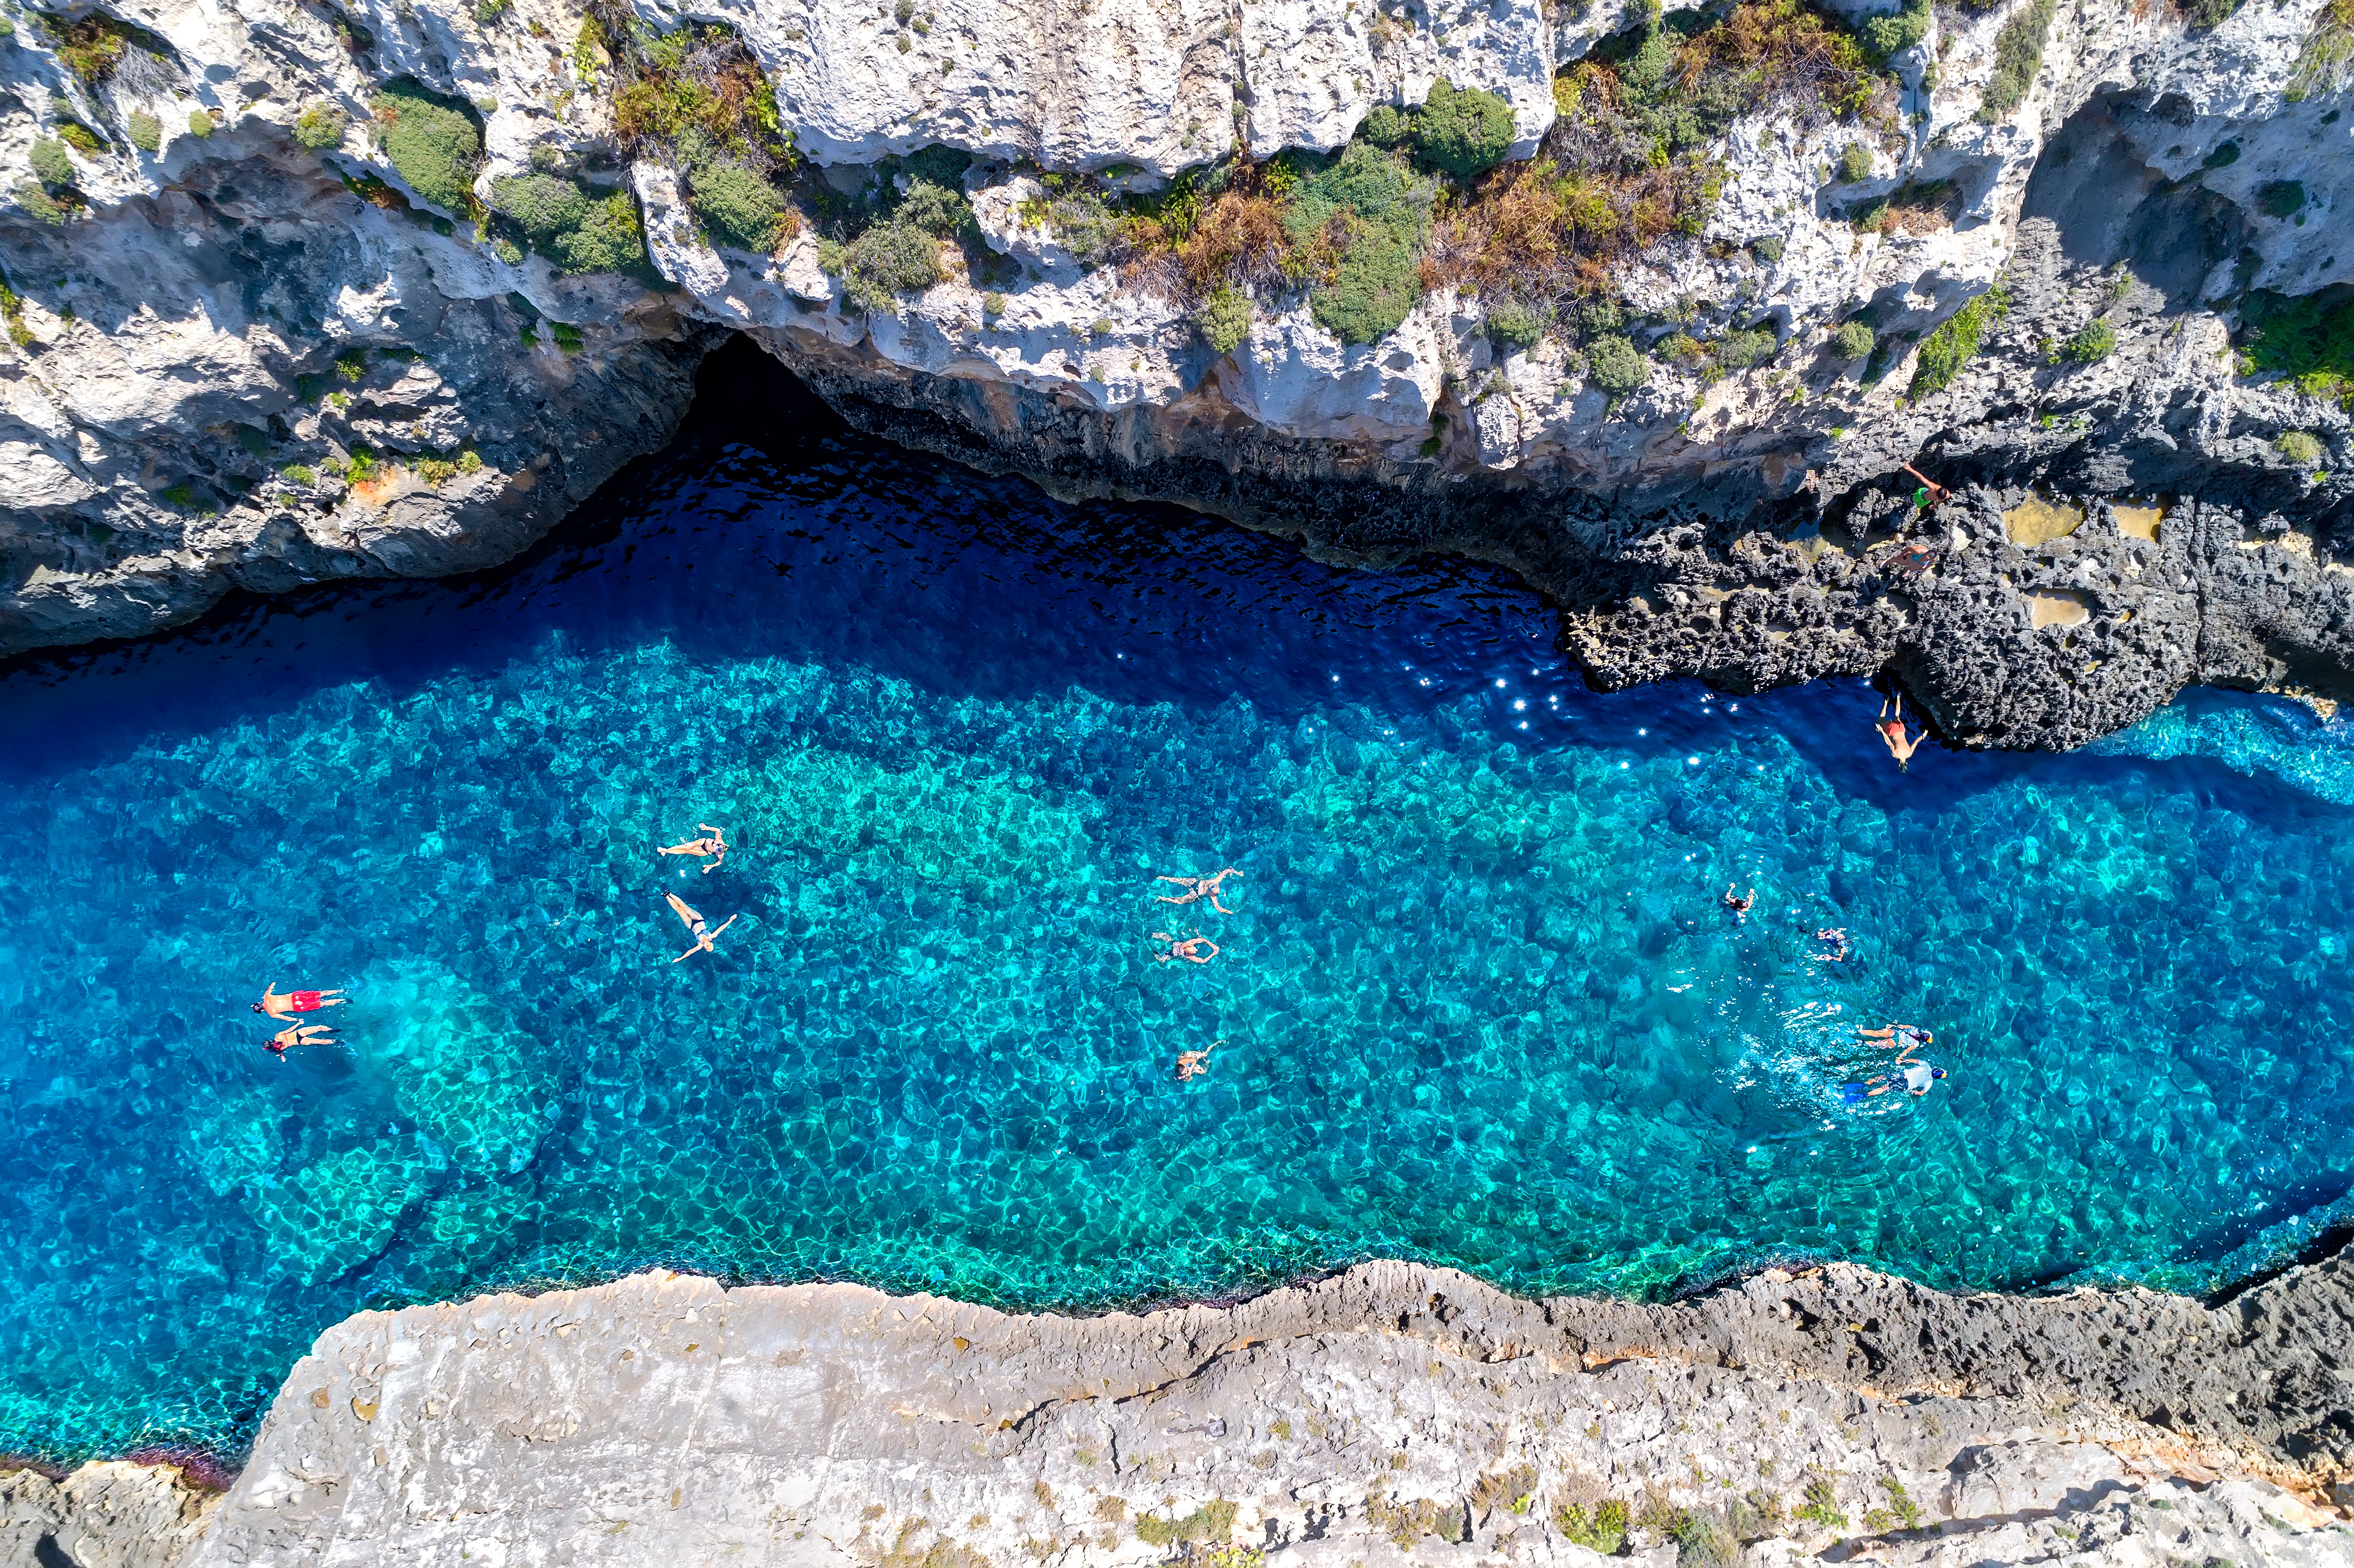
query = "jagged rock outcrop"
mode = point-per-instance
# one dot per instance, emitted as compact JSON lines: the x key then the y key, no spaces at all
{"x":240,"y":363}
{"x":1393,"y":1413}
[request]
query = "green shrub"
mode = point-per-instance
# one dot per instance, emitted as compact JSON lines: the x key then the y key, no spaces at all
{"x":2207,"y":14}
{"x":1224,"y":319}
{"x":352,"y":364}
{"x":1388,"y":126}
{"x":1767,"y":249}
{"x":1084,"y":224}
{"x":2280,"y":198}
{"x":2309,"y":338}
{"x":146,"y":131}
{"x":489,"y":11}
{"x":1705,"y":1539}
{"x":2325,"y":64}
{"x":507,"y":250}
{"x":82,"y":138}
{"x":1886,"y":35}
{"x":1854,"y":340}
{"x":2302,"y":448}
{"x":433,"y":140}
{"x":1368,"y":212}
{"x":887,"y":260}
{"x":737,"y":207}
{"x":2017,"y":55}
{"x":1465,"y":133}
{"x":1951,"y":346}
{"x":1740,"y":350}
{"x":580,"y":229}
{"x":319,"y":127}
{"x":201,"y":123}
{"x":832,"y":256}
{"x":361,"y":466}
{"x":1821,"y":1504}
{"x":1679,"y":348}
{"x":1514,"y":325}
{"x":993,"y":303}
{"x":567,"y":336}
{"x":1210,"y":1523}
{"x":1613,"y":365}
{"x":1597,"y":1526}
{"x":2094,"y":341}
{"x":51,"y":164}
{"x":299,"y":474}
{"x":92,"y":47}
{"x":1855,"y":162}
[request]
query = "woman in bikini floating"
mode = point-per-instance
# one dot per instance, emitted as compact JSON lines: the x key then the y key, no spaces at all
{"x":296,"y":1034}
{"x":715,"y":844}
{"x":275,"y":1004}
{"x":1199,"y":888}
{"x":696,"y":925}
{"x":1891,"y":726}
{"x":1186,"y":947}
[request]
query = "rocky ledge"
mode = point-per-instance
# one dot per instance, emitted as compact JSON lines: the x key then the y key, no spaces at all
{"x":1392,"y":1414}
{"x":1653,"y":307}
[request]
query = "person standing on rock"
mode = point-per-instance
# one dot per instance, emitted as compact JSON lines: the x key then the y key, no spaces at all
{"x":1931,"y":493}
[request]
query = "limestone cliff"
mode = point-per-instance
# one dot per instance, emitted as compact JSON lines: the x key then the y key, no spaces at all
{"x":1388,"y":1415}
{"x":1653,"y":310}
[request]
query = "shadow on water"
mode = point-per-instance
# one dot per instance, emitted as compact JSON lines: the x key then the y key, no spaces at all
{"x":1137,"y":602}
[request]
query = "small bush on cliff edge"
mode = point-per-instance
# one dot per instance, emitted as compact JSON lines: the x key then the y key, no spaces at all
{"x":1953,"y":344}
{"x":434,"y":141}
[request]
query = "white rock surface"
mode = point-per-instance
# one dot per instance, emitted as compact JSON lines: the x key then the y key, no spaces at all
{"x":1394,"y":1415}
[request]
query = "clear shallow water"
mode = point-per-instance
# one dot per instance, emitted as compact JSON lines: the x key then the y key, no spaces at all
{"x":1478,"y":1002}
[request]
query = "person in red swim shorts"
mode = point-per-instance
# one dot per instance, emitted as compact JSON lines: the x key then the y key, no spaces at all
{"x":275,"y":1005}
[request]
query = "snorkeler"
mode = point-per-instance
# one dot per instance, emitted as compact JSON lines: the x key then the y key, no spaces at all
{"x":715,"y":844}
{"x":1837,"y":937}
{"x":1914,"y":1079}
{"x":1891,"y":726}
{"x":695,"y":926}
{"x":1198,"y":888}
{"x":1902,"y":1038}
{"x":1195,"y":1063}
{"x":274,"y":1005}
{"x":1740,"y":907}
{"x":1185,"y":948}
{"x":296,"y":1034}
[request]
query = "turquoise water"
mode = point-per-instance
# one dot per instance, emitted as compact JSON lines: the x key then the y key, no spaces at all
{"x":1480,"y":1003}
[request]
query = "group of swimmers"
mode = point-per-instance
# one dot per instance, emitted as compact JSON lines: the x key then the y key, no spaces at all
{"x":1911,"y":1075}
{"x":712,"y":846}
{"x":1193,"y":948}
{"x":285,"y":1006}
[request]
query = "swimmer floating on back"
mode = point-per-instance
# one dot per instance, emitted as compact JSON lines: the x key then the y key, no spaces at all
{"x":286,"y":1039}
{"x":1891,"y":726}
{"x":1740,"y":907}
{"x":695,"y":926}
{"x":713,"y":845}
{"x":1199,"y":888}
{"x":1186,"y":947}
{"x":275,"y":1004}
{"x":1195,"y":1063}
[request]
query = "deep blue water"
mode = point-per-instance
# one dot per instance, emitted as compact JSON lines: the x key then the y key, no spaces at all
{"x":1478,"y":1001}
